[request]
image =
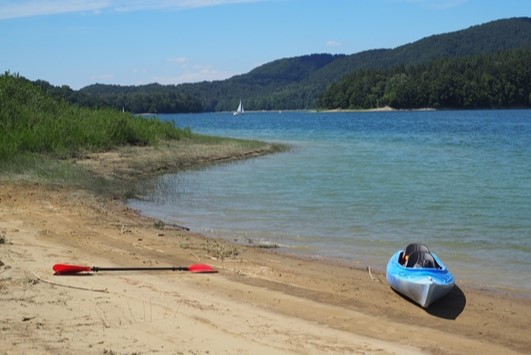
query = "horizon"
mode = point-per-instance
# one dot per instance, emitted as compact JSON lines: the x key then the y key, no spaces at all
{"x":80,"y":43}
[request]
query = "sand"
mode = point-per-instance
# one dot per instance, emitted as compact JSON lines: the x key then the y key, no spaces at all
{"x":260,"y":302}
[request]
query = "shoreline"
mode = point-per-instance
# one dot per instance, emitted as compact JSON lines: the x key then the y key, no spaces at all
{"x":355,"y":264}
{"x":495,"y":289}
{"x":260,"y":302}
{"x":379,"y":109}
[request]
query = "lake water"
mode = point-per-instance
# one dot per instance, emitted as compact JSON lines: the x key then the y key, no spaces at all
{"x":358,"y":186}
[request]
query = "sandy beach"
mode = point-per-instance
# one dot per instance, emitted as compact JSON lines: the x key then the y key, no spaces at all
{"x":260,"y":301}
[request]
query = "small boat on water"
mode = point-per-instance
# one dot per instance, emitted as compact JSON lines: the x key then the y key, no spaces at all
{"x":239,"y":110}
{"x":419,"y":275}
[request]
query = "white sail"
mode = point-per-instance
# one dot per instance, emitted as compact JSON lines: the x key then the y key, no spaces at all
{"x":239,"y":110}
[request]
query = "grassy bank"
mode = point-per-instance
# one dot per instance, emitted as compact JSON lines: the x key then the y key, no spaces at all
{"x":33,"y":122}
{"x":49,"y":141}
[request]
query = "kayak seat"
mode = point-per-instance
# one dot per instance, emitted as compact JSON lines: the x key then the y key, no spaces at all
{"x":422,"y":259}
{"x":410,"y":249}
{"x":416,"y":247}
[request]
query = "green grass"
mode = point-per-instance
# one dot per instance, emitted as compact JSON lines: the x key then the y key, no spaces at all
{"x":33,"y":122}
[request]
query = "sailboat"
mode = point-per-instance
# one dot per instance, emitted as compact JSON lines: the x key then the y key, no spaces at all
{"x":239,"y":110}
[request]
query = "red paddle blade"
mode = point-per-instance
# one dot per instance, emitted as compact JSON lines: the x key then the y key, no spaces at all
{"x":62,"y":269}
{"x":202,"y":268}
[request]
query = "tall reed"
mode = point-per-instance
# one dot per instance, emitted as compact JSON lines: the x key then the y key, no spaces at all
{"x":32,"y":122}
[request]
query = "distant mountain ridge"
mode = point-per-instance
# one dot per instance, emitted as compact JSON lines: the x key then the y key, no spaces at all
{"x":298,"y":82}
{"x":492,"y":37}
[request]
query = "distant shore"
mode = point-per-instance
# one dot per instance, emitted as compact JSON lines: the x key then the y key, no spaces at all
{"x":380,"y":109}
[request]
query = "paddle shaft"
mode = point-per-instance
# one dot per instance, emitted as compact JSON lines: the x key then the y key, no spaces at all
{"x":147,"y":268}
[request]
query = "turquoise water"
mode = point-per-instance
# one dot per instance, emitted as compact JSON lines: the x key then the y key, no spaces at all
{"x":359,"y":186}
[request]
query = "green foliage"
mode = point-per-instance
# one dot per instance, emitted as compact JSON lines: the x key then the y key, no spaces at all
{"x":153,"y":98}
{"x":484,"y":81}
{"x":33,"y":122}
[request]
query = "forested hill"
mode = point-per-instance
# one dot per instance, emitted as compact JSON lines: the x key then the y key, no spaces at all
{"x":496,"y":80}
{"x":260,"y":89}
{"x":299,"y":82}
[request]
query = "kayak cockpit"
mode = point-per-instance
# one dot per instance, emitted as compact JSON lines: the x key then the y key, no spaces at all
{"x":417,"y":256}
{"x":422,"y":259}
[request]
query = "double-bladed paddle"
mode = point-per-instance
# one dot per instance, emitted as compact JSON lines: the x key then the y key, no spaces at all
{"x":69,"y":269}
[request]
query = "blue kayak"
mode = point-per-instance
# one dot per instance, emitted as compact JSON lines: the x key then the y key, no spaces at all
{"x":422,"y":284}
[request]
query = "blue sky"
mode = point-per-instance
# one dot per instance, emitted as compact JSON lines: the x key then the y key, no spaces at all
{"x":134,"y":42}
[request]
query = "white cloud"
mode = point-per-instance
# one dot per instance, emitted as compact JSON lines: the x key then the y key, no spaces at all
{"x":193,"y":74}
{"x":433,"y":4}
{"x":333,"y":43}
{"x":182,"y":61}
{"x":28,"y":8}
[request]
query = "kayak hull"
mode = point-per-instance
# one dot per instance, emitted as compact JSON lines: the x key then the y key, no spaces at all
{"x":422,"y":285}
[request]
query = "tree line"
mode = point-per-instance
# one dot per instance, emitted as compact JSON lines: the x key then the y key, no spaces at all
{"x":153,"y":98}
{"x":482,"y":81}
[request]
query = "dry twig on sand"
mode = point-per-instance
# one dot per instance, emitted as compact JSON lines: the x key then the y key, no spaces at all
{"x":69,"y":286}
{"x":373,"y":278}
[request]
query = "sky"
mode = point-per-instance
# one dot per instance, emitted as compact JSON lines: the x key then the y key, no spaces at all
{"x":135,"y":42}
